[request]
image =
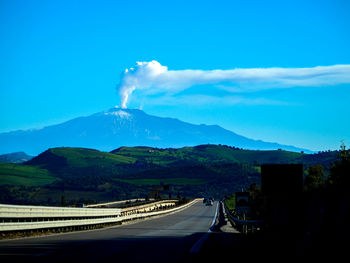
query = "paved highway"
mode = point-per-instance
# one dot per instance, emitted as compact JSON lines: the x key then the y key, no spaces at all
{"x":164,"y":239}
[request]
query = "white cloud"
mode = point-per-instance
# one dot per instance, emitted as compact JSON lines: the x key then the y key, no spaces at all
{"x":153,"y":78}
{"x":202,"y":100}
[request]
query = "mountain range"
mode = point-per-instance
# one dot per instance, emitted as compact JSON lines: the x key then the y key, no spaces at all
{"x":16,"y":157}
{"x":117,"y":127}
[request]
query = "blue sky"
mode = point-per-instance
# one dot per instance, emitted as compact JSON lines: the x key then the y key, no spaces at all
{"x":63,"y":59}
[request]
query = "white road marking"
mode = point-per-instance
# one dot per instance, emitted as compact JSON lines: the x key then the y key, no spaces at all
{"x":197,"y":246}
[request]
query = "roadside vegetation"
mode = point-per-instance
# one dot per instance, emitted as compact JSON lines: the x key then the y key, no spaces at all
{"x":323,"y":211}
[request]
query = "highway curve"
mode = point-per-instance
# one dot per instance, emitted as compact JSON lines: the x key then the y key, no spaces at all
{"x":164,"y":239}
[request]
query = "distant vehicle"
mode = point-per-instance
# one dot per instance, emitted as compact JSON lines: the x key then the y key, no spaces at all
{"x":209,"y":202}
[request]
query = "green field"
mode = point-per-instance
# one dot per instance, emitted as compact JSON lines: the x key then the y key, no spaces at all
{"x":156,"y":181}
{"x":16,"y":174}
{"x":82,"y":157}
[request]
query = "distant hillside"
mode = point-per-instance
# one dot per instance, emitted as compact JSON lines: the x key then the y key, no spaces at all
{"x":208,"y":154}
{"x":75,"y":162}
{"x":130,"y":172}
{"x":17,"y":157}
{"x":114,"y":128}
{"x":140,"y":158}
{"x":66,"y":157}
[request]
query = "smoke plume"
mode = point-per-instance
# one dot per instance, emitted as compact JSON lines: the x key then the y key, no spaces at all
{"x":153,"y":78}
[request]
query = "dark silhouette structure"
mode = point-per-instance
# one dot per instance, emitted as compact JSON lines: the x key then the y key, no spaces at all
{"x":282,"y":186}
{"x":242,"y":203}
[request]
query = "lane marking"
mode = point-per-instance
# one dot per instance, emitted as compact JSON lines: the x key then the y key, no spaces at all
{"x":197,"y":246}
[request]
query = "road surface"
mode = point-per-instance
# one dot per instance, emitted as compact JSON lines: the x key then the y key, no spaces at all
{"x":164,"y":239}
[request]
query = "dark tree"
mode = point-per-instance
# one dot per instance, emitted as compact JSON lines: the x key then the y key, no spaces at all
{"x":314,"y":178}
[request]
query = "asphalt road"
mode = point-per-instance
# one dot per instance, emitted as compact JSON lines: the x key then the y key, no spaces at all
{"x":164,"y":239}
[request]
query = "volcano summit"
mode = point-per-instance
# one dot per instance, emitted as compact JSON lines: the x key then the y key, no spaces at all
{"x":117,"y":127}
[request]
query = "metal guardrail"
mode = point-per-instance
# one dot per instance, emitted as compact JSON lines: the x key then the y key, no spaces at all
{"x":238,"y":221}
{"x":119,"y":202}
{"x":148,"y":207}
{"x":41,"y":217}
{"x":17,"y":226}
{"x":22,"y":211}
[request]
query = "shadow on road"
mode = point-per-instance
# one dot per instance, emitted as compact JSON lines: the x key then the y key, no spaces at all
{"x":138,"y":249}
{"x":220,"y":246}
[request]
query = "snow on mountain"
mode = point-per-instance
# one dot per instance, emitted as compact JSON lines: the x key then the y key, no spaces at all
{"x":117,"y":127}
